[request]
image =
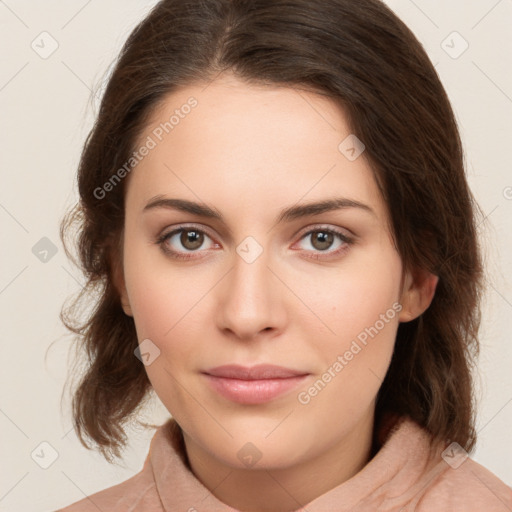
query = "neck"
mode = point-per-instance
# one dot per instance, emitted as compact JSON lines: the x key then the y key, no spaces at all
{"x":286,"y":489}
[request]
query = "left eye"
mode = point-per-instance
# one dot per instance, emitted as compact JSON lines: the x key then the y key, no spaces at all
{"x":322,"y":239}
{"x":192,"y":239}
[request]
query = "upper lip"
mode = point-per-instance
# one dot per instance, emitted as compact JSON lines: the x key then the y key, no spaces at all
{"x":258,"y":372}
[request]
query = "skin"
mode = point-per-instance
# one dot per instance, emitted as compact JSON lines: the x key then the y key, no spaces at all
{"x":250,"y":151}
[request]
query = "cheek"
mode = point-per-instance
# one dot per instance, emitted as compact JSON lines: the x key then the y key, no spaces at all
{"x":169,"y":307}
{"x":166,"y":307}
{"x":352,"y":297}
{"x":359,"y":312}
{"x":162,"y":295}
{"x":354,"y":360}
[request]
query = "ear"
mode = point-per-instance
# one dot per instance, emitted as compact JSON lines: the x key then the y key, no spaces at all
{"x":417,"y":293}
{"x":116,"y":260}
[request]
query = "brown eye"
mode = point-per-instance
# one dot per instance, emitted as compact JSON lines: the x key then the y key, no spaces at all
{"x":321,"y":240}
{"x":191,"y":239}
{"x":324,"y":243}
{"x":185,"y":242}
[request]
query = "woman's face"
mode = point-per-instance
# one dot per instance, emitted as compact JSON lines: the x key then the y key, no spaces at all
{"x":313,"y":290}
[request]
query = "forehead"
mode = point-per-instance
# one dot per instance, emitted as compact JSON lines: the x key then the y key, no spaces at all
{"x":233,"y":143}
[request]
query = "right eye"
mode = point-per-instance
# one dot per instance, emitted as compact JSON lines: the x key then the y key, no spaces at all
{"x":190,"y":238}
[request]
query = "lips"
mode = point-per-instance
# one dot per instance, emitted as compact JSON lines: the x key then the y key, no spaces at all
{"x":253,"y":385}
{"x":258,"y":372}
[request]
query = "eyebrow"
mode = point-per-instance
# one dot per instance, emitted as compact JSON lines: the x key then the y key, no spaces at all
{"x":286,"y":215}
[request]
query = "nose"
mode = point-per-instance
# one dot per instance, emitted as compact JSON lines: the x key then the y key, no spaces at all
{"x":249,"y":300}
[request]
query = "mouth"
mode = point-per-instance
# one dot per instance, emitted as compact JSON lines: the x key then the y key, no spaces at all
{"x":253,"y":385}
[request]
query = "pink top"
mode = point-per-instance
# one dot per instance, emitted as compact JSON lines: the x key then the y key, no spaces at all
{"x":400,"y":477}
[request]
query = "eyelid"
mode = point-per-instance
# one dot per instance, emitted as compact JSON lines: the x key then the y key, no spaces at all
{"x":328,"y":227}
{"x":205,"y":229}
{"x":183,"y":227}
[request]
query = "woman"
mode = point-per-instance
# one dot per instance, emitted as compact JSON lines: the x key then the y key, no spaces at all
{"x":275,"y":218}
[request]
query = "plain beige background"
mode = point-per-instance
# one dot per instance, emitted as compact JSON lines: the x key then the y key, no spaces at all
{"x":53,"y":55}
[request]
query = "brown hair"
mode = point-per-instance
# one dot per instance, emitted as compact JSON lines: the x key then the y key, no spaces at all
{"x":362,"y":56}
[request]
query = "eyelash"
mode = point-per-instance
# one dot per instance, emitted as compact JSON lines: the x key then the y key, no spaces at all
{"x":162,"y":239}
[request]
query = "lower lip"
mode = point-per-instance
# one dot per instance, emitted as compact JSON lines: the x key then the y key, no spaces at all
{"x":253,"y":391}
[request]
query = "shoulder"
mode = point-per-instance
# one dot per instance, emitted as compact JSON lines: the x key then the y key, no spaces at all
{"x":138,"y":493}
{"x":430,"y":475}
{"x":464,"y":484}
